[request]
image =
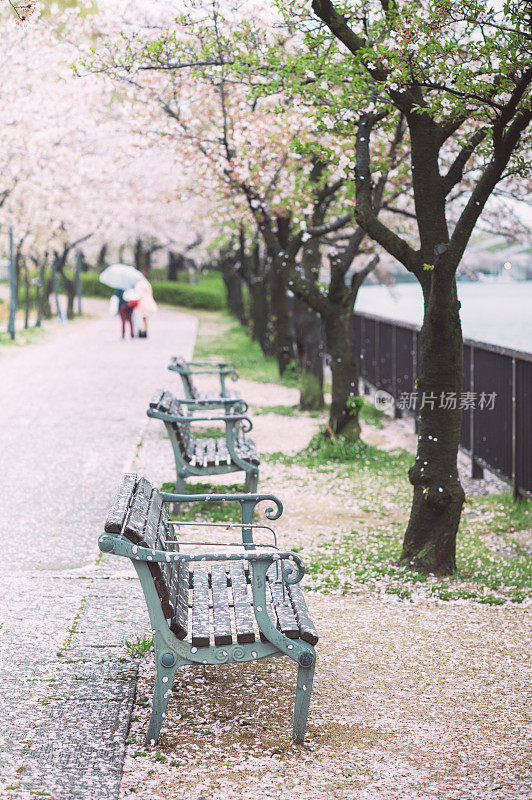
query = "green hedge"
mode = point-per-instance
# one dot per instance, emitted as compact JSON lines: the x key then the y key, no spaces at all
{"x":92,"y":286}
{"x":208,"y":293}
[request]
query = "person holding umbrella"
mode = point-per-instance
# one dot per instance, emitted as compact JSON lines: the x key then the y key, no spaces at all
{"x":146,"y":305}
{"x":126,"y":306}
{"x":123,"y":279}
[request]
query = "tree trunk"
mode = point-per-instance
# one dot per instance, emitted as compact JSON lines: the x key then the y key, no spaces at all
{"x":176,"y":264}
{"x":343,"y":420}
{"x":26,"y":271}
{"x":283,"y":340}
{"x":85,"y":267}
{"x":143,"y":257}
{"x":233,"y":289}
{"x":307,"y":325}
{"x":254,"y":272}
{"x":430,"y":540}
{"x":70,"y":289}
{"x":68,"y":283}
{"x":260,"y":315}
{"x":101,"y":261}
{"x":47,"y":289}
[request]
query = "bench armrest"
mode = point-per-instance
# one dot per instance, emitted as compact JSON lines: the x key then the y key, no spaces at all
{"x":204,"y":368}
{"x":219,"y":364}
{"x":223,"y":402}
{"x":120,"y":546}
{"x":247,"y":502}
{"x":231,"y":418}
{"x":227,"y":418}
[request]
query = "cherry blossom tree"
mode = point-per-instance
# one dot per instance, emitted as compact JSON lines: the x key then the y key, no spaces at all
{"x":460,"y":74}
{"x":198,"y":73}
{"x":71,"y":166}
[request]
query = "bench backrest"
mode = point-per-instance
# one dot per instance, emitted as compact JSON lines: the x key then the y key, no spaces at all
{"x":165,"y":402}
{"x":139,"y":513}
{"x":186,"y":376}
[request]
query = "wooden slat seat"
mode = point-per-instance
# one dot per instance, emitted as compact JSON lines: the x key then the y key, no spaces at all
{"x":232,"y":451}
{"x":235,"y":600}
{"x":245,"y":630}
{"x":143,"y":518}
{"x":200,"y":607}
{"x":286,"y":620}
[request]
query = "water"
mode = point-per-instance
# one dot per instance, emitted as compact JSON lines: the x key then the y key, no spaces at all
{"x":497,"y":313}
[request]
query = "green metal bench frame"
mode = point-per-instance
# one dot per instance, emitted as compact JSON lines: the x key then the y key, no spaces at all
{"x":172,"y":652}
{"x":212,"y":400}
{"x":164,"y":406}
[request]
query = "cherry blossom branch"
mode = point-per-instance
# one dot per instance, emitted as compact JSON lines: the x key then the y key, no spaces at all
{"x":456,"y":170}
{"x":364,"y":211}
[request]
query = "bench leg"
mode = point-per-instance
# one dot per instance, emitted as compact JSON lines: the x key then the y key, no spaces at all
{"x":305,"y":676}
{"x":251,"y":482}
{"x":161,"y":695}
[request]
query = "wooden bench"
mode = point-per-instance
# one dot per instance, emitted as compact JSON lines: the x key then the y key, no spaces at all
{"x":230,"y":605}
{"x":231,"y":452}
{"x":207,"y":400}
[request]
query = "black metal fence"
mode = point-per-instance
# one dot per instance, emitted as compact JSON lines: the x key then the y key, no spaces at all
{"x":495,"y":379}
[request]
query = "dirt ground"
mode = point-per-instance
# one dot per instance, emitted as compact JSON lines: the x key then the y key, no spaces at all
{"x":411,"y":700}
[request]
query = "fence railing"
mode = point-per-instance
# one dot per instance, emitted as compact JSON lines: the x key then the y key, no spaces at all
{"x":496,"y":398}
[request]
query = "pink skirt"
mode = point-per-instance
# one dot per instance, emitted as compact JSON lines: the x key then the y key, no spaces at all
{"x":146,"y":304}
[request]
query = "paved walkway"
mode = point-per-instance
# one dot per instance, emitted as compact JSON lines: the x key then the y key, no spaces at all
{"x":72,"y":418}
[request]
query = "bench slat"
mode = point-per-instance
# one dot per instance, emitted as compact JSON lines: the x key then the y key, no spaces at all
{"x":156,"y":398}
{"x":247,"y":450}
{"x":151,"y":528}
{"x":221,"y":447}
{"x":307,"y":631}
{"x":165,"y":402}
{"x":284,"y":611}
{"x":220,"y":606}
{"x":134,"y":528}
{"x":117,"y":512}
{"x":175,"y":407}
{"x":245,"y":632}
{"x":199,"y":452}
{"x":165,"y":576}
{"x":200,"y":607}
{"x":210,"y":451}
{"x":179,"y":622}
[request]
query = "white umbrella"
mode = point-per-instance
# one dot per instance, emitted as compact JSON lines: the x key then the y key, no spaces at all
{"x":121,"y":276}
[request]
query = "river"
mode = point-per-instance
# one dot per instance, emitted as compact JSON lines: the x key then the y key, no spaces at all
{"x":496,"y":312}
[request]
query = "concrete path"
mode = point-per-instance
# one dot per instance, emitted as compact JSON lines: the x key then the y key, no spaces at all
{"x":72,"y":419}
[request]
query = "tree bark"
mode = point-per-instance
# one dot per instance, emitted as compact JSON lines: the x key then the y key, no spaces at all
{"x":233,"y":289}
{"x":307,"y":326}
{"x":176,"y":264}
{"x":101,"y":261}
{"x":344,"y":368}
{"x":430,"y":539}
{"x":68,"y":283}
{"x":24,"y":267}
{"x":255,"y":273}
{"x":47,"y":283}
{"x":283,"y":340}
